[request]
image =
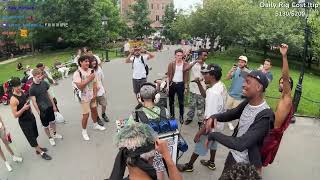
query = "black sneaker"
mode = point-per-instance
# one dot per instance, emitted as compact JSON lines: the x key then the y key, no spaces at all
{"x":105,"y":118}
{"x":185,"y":167}
{"x":42,"y":149}
{"x":181,"y":120}
{"x":209,"y":164}
{"x":188,"y":121}
{"x":45,"y":156}
{"x":100,"y":122}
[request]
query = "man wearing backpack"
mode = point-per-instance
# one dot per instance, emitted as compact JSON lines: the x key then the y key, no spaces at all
{"x":139,"y":67}
{"x":150,"y":112}
{"x":256,"y":120}
{"x":85,"y":80}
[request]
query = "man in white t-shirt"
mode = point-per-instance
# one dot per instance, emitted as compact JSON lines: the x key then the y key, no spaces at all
{"x":215,"y":97}
{"x":139,"y":66}
{"x":196,"y":101}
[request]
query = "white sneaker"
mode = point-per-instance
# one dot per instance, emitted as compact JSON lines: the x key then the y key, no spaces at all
{"x":231,"y":127}
{"x":85,"y":136}
{"x":8,"y":166}
{"x":52,"y":142}
{"x":17,"y":159}
{"x":98,"y":127}
{"x":57,"y":136}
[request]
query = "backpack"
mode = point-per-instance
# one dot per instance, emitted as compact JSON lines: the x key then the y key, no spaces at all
{"x":272,"y":141}
{"x":146,"y":67}
{"x":76,"y":90}
{"x":142,"y":117}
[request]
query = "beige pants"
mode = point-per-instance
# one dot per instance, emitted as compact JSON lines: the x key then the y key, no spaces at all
{"x":232,"y":102}
{"x":86,"y":106}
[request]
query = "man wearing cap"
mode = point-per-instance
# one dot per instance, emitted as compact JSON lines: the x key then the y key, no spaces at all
{"x":237,"y":74}
{"x":215,"y":98}
{"x":139,"y":75}
{"x":256,"y":119}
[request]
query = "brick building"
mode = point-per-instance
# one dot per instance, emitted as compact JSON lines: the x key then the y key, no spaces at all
{"x":156,"y":8}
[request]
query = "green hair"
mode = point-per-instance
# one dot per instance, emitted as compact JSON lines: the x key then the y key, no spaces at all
{"x":134,"y":136}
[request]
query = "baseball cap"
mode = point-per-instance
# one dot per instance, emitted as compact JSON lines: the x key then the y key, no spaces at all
{"x":244,"y":58}
{"x":261,"y":77}
{"x":211,"y":68}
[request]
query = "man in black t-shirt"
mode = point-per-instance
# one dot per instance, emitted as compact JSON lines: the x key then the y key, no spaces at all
{"x":44,"y":105}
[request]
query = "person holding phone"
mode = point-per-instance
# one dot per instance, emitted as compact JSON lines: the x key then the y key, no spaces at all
{"x":237,"y":74}
{"x":138,"y":58}
{"x":85,"y":80}
{"x":21,"y":109}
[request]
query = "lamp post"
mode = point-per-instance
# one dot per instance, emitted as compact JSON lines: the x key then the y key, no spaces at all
{"x":298,"y":90}
{"x":104,"y":22}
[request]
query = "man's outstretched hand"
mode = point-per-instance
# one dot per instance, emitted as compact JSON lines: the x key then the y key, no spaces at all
{"x":284,"y":49}
{"x":209,"y":124}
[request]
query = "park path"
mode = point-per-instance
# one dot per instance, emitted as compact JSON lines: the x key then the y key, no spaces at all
{"x":75,"y":159}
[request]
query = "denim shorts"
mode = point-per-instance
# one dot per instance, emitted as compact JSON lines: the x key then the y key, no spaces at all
{"x":201,"y":150}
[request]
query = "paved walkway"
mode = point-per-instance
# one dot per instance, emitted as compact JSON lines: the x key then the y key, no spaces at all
{"x":74,"y":159}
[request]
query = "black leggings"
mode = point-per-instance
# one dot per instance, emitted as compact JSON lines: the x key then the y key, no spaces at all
{"x":179,"y":89}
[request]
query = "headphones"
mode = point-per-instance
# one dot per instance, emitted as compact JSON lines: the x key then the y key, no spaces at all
{"x":155,"y":95}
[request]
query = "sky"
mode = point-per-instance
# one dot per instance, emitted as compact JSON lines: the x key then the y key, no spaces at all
{"x":185,"y":4}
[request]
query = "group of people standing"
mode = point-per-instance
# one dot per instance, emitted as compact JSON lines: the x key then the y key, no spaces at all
{"x":243,"y":104}
{"x":213,"y":104}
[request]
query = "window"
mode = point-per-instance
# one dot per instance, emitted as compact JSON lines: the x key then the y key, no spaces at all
{"x":163,"y":6}
{"x":157,"y":18}
{"x":158,"y":6}
{"x":151,"y":6}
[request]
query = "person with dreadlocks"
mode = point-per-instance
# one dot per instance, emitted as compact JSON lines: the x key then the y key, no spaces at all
{"x":137,"y":146}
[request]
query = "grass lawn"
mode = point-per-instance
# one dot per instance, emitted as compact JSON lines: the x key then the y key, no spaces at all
{"x":311,"y":87}
{"x":48,"y":58}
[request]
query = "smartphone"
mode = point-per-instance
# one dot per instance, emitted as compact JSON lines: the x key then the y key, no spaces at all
{"x":92,"y":71}
{"x":235,"y":65}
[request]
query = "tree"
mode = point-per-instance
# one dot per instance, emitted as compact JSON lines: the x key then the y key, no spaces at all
{"x":315,"y":29}
{"x":139,"y":16}
{"x":167,"y":22}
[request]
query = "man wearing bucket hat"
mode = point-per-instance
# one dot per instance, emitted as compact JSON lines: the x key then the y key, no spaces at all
{"x":215,"y":98}
{"x":256,"y":120}
{"x":237,"y":74}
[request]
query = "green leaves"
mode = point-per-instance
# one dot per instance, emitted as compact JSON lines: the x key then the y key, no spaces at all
{"x":138,"y":16}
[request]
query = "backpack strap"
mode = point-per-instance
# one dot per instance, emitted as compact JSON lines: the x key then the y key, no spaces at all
{"x":141,"y":116}
{"x":142,"y":60}
{"x":80,"y":74}
{"x":163,"y":113}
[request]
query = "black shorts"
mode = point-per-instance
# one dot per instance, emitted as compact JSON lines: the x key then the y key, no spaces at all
{"x":137,"y":84}
{"x":47,"y":116}
{"x":30,"y":130}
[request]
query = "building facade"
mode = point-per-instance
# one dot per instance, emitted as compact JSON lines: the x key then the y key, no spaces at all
{"x":156,"y":8}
